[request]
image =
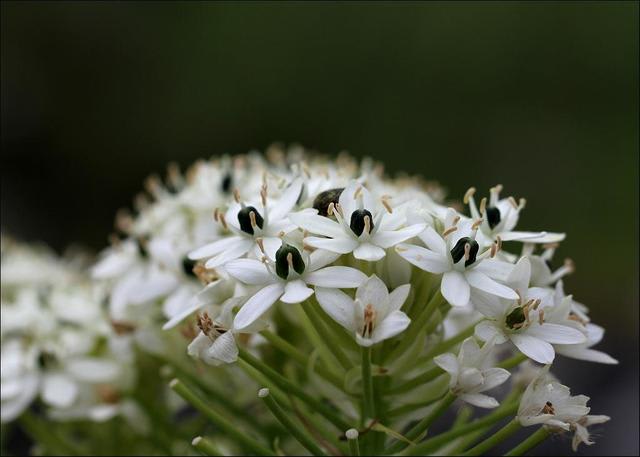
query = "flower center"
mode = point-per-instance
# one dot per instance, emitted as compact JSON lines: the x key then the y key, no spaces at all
{"x":467,"y":248}
{"x":493,"y":216}
{"x":516,"y":318}
{"x":548,"y":408}
{"x":324,"y":199}
{"x":369,"y":321}
{"x":288,"y":258}
{"x":210,"y":328}
{"x":361,"y":220}
{"x":188,"y":265}
{"x":249,"y":218}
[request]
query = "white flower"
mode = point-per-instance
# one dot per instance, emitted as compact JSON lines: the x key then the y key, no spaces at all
{"x":286,"y":278}
{"x":500,"y":216}
{"x":546,"y":401}
{"x":523,"y":321}
{"x":581,"y":434}
{"x":470,"y":375}
{"x":267,"y":221}
{"x":455,"y":255}
{"x":373,"y":316}
{"x":363,"y":226}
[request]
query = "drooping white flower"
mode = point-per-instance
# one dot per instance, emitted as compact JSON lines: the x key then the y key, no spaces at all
{"x":454,"y":254}
{"x":267,"y":221}
{"x":523,"y":321}
{"x":362,"y":226}
{"x":470,"y":375}
{"x":373,"y":316}
{"x":287,"y":278}
{"x":547,"y":402}
{"x":499,"y":218}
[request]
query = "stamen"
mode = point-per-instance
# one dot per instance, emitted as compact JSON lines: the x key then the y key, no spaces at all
{"x":205,"y":324}
{"x":367,"y":224}
{"x":476,"y":224}
{"x":369,"y":321}
{"x":263,"y":195}
{"x":467,"y":250}
{"x":541,"y":317}
{"x":385,"y":202}
{"x":223,"y":220}
{"x":523,"y":203}
{"x":483,"y":205}
{"x":499,"y":242}
{"x":205,"y":275}
{"x":449,"y":231}
{"x":260,"y":243}
{"x":331,"y":209}
{"x":252,"y":218}
{"x":513,"y":202}
{"x":548,"y":408}
{"x":236,"y":195}
{"x":470,"y":192}
{"x":357,"y":193}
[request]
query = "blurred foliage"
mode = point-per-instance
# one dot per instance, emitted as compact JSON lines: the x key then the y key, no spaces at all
{"x":541,"y":97}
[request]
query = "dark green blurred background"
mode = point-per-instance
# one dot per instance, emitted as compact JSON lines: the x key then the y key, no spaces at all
{"x":542,"y":98}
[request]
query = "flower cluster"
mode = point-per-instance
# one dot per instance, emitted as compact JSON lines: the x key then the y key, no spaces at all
{"x":390,"y":302}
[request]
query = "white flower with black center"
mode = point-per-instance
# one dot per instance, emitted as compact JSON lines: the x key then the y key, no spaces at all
{"x":523,"y":321}
{"x":287,"y":278}
{"x":455,"y":254}
{"x":373,"y":316}
{"x":267,"y":221}
{"x":500,"y":217}
{"x":470,"y":375}
{"x":362,"y":226}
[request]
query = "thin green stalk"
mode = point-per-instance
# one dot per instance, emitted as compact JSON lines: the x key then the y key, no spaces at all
{"x":302,"y":359}
{"x":534,"y":439}
{"x":420,"y":380}
{"x":220,"y":421}
{"x":345,"y":340}
{"x":289,"y":425}
{"x":498,"y":437}
{"x":289,"y":387}
{"x":317,"y":341}
{"x":418,"y":430}
{"x":205,"y":446}
{"x":327,"y":336}
{"x":416,"y":325}
{"x":445,"y":345}
{"x":43,"y":434}
{"x":368,"y":409}
{"x":512,"y":362}
{"x":437,"y":441}
{"x":352,"y":437}
{"x":409,"y":407}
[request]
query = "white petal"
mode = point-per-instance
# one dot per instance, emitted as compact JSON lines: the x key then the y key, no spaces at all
{"x":211,"y":249}
{"x":336,"y":277}
{"x":398,"y":297}
{"x":192,"y":306}
{"x":321,"y":258}
{"x":286,"y":201}
{"x":533,"y":237}
{"x":338,"y":305}
{"x":448,"y":362}
{"x":557,"y":334}
{"x":93,"y":369}
{"x":318,"y":225}
{"x":223,"y":349}
{"x":369,"y":252}
{"x":386,"y":239}
{"x":455,"y":288}
{"x":342,"y":245}
{"x":493,"y":377}
{"x":496,"y":269}
{"x":13,"y":408}
{"x":423,"y":258}
{"x":480,"y":400}
{"x":395,"y":322}
{"x":239,"y":248}
{"x":520,"y":275}
{"x":534,"y":348}
{"x":295,"y":292}
{"x":485,"y":283}
{"x":249,"y":271}
{"x":433,"y":241}
{"x":199,"y":344}
{"x":257,"y":305}
{"x":588,"y":355}
{"x":59,"y":390}
{"x":373,"y":291}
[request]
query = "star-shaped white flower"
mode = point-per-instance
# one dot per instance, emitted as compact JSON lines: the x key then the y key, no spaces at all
{"x":267,"y":221}
{"x":362,"y":225}
{"x":286,"y":278}
{"x":470,"y":374}
{"x":373,"y":316}
{"x":454,"y":254}
{"x":523,"y":321}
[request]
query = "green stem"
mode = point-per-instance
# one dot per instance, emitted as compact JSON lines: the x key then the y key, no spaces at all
{"x":220,"y":421}
{"x":437,"y":441}
{"x":414,"y":328}
{"x":420,"y":380}
{"x":43,"y":434}
{"x":291,"y":426}
{"x":287,"y":348}
{"x":327,"y":337}
{"x":534,"y":439}
{"x":345,"y":340}
{"x":289,"y":387}
{"x":417,"y":431}
{"x":498,"y":437}
{"x":368,"y":409}
{"x":317,"y":341}
{"x":205,"y":446}
{"x":410,"y":407}
{"x":352,"y":437}
{"x":445,"y":345}
{"x":512,"y":362}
